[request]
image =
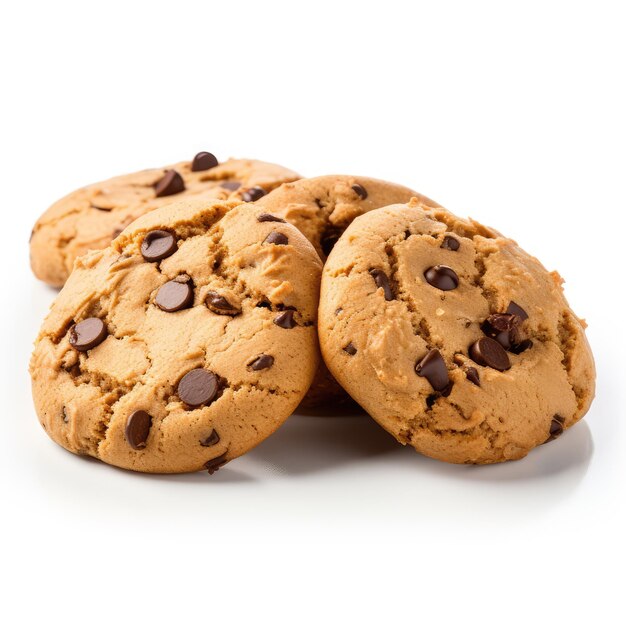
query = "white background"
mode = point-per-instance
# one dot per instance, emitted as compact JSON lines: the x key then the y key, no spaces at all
{"x":512,"y":113}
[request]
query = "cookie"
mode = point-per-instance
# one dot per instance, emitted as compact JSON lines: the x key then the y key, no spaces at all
{"x":183,"y":344}
{"x":89,"y":218}
{"x":451,"y":337}
{"x":322,"y":208}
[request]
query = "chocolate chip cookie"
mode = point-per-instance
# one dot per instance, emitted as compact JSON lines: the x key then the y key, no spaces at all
{"x":452,"y":337}
{"x":322,"y":208}
{"x":89,"y":218}
{"x":183,"y":344}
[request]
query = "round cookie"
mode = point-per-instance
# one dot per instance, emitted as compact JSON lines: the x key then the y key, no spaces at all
{"x":89,"y":218}
{"x":183,"y":344}
{"x":322,"y":208}
{"x":452,"y":337}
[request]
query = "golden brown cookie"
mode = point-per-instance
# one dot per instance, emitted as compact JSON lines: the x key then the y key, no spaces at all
{"x":89,"y":218}
{"x":183,"y":344}
{"x":322,"y":208}
{"x":452,"y":337}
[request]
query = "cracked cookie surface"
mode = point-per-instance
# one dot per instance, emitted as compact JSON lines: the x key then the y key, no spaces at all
{"x":322,"y":208}
{"x":452,"y":337}
{"x":183,"y":344}
{"x":90,"y":217}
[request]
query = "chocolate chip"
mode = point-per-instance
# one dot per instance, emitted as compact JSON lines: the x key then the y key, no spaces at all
{"x":516,"y":309}
{"x":198,"y":387}
{"x":487,"y":351}
{"x":556,"y":427}
{"x":157,"y":245}
{"x":350,"y":349}
{"x":175,"y":295}
{"x":203,"y":161}
{"x":360,"y":191}
{"x":433,"y":368}
{"x":450,"y":243}
{"x":471,"y":373}
{"x":277,"y":238}
{"x":442,"y":277}
{"x":381,"y":280}
{"x":64,"y":416}
{"x":214,"y":464}
{"x":171,"y":183}
{"x":263,"y":304}
{"x":220,"y":305}
{"x":231,"y":185}
{"x":211,"y":440}
{"x":87,"y":334}
{"x":137,"y":429}
{"x":285,"y":319}
{"x":267,"y":217}
{"x":262,"y":362}
{"x":503,"y":327}
{"x":520,"y":347}
{"x":328,"y":241}
{"x":252,"y":194}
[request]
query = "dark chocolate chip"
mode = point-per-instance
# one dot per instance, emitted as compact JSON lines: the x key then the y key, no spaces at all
{"x":231,"y":185}
{"x":198,"y":387}
{"x":360,"y":191}
{"x":516,"y":309}
{"x":433,"y":368}
{"x":520,"y":347}
{"x":203,"y":161}
{"x":277,"y":238}
{"x":175,"y":295}
{"x":556,"y":427}
{"x":328,"y":241}
{"x":267,"y":217}
{"x":285,"y":319}
{"x":252,"y":194}
{"x":211,"y":440}
{"x":450,"y":243}
{"x":137,"y":429}
{"x":220,"y":305}
{"x":503,"y":327}
{"x":171,"y":183}
{"x":487,"y":351}
{"x":442,"y":277}
{"x":157,"y":245}
{"x":263,"y":304}
{"x":214,"y":464}
{"x":382,"y":281}
{"x":350,"y":349}
{"x":471,"y":374}
{"x":64,"y":416}
{"x":262,"y":362}
{"x":87,"y":334}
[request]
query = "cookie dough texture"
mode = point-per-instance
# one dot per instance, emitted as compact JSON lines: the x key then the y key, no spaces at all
{"x":380,"y":316}
{"x":322,"y":208}
{"x":89,"y":218}
{"x":249,"y":330}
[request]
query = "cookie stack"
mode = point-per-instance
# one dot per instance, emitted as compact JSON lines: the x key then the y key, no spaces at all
{"x":196,"y":298}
